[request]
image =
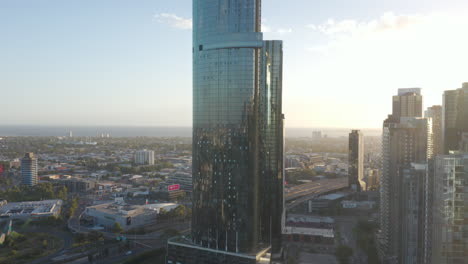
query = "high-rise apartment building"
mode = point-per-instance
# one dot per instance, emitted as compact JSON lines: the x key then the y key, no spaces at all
{"x":450,"y":240}
{"x":413,"y":213}
{"x":356,"y":161}
{"x":408,"y":103}
{"x":144,"y":157}
{"x":406,"y":140}
{"x":455,"y":118}
{"x":29,"y":169}
{"x":435,"y":113}
{"x":237,"y":138}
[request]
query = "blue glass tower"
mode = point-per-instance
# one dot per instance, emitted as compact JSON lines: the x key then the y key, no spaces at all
{"x":237,"y":135}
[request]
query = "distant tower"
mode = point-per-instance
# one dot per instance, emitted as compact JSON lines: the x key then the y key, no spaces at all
{"x":408,"y":103}
{"x":144,"y":157}
{"x":356,"y":161}
{"x":316,"y":135}
{"x":29,"y":169}
{"x":435,"y":113}
{"x":455,"y":118}
{"x":70,"y":134}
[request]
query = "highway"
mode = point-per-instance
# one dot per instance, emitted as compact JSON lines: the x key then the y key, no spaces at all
{"x":304,"y":192}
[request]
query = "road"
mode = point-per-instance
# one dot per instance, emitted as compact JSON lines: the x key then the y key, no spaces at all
{"x":305,"y":192}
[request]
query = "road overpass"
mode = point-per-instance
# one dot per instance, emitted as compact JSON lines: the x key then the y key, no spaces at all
{"x":304,"y":192}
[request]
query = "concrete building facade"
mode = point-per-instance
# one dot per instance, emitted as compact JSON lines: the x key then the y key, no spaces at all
{"x":144,"y":157}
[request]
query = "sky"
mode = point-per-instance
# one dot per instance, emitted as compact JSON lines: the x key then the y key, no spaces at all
{"x":128,"y":63}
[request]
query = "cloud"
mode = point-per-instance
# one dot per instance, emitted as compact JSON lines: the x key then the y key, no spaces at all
{"x":174,"y":20}
{"x":387,"y":22}
{"x":281,"y":31}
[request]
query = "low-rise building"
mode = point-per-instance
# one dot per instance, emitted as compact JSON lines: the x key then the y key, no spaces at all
{"x":28,"y":210}
{"x":128,"y":216}
{"x":324,"y":201}
{"x":183,"y":179}
{"x":78,"y":184}
{"x":308,"y":234}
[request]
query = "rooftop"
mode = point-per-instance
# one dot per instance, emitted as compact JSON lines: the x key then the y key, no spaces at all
{"x":289,"y":230}
{"x":130,"y":210}
{"x":30,"y":208}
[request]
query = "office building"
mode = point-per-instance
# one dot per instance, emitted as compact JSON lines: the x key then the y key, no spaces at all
{"x":237,"y":138}
{"x":455,"y":118}
{"x":356,"y":161}
{"x":435,"y":113}
{"x":450,"y":240}
{"x":29,"y":169}
{"x":408,"y":103}
{"x":406,"y":140}
{"x":144,"y":157}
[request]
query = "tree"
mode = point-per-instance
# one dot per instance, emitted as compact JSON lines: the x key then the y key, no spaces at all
{"x":45,"y":244}
{"x":168,"y":233}
{"x":73,"y":207}
{"x":118,"y":228}
{"x":343,"y":253}
{"x":95,"y":236}
{"x":62,"y":193}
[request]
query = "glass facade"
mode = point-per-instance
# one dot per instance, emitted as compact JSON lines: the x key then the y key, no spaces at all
{"x":237,"y":129}
{"x":450,"y":240}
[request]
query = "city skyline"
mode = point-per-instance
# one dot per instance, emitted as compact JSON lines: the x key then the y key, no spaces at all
{"x":121,"y":52}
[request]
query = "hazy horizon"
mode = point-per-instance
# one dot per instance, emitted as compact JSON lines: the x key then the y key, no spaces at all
{"x":151,"y":131}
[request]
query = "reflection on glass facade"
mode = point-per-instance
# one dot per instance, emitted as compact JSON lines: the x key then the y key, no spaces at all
{"x":450,"y":240}
{"x":237,"y":129}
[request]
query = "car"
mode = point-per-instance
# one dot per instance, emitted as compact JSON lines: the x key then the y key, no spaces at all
{"x":128,"y":253}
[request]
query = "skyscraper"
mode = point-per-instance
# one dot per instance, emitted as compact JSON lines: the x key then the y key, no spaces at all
{"x":237,"y":138}
{"x":356,"y":161}
{"x":29,"y":169}
{"x":435,"y":113}
{"x":450,"y":240}
{"x":413,"y":213}
{"x":455,"y":118}
{"x":408,"y":103}
{"x":406,"y":140}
